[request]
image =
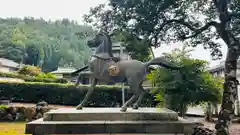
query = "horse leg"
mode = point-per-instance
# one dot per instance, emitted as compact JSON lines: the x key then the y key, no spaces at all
{"x":141,"y":95}
{"x":90,"y":90}
{"x":135,"y":95}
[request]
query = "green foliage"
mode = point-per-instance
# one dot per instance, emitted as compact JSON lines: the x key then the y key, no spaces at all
{"x":190,"y":86}
{"x":137,"y":48}
{"x":165,"y":21}
{"x":46,"y":75}
{"x":34,"y":53}
{"x":65,"y":94}
{"x":45,"y":44}
{"x":3,"y":106}
{"x":33,"y":78}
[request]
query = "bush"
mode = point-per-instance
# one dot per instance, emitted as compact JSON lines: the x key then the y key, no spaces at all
{"x":29,"y":70}
{"x":66,"y":94}
{"x":45,"y":75}
{"x":3,"y":106}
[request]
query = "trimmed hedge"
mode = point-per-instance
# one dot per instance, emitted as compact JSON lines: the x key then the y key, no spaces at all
{"x":31,"y":78}
{"x":66,"y":94}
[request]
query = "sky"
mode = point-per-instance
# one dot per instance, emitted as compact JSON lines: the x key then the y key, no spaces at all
{"x":74,"y":10}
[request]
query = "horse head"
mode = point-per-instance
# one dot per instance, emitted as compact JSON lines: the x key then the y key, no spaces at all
{"x":96,"y":41}
{"x":103,"y":43}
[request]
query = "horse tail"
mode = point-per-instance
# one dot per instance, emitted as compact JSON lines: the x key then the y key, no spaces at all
{"x":163,"y":62}
{"x":79,"y":70}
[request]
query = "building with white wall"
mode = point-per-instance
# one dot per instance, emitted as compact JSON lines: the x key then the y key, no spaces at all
{"x":218,"y":70}
{"x":116,"y":50}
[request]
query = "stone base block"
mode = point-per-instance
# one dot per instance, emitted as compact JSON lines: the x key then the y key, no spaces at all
{"x":40,"y":127}
{"x":110,"y":121}
{"x":111,"y":114}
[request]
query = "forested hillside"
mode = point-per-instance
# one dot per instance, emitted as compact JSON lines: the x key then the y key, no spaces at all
{"x":43,"y":43}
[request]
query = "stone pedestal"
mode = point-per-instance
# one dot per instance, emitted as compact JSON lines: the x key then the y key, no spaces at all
{"x":237,"y":106}
{"x":5,"y":102}
{"x":110,"y":121}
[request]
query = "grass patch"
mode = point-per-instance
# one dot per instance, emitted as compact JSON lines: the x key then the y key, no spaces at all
{"x":18,"y":128}
{"x":12,"y":128}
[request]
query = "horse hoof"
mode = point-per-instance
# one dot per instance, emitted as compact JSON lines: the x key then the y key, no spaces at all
{"x":135,"y":107}
{"x":79,"y":107}
{"x":123,"y":109}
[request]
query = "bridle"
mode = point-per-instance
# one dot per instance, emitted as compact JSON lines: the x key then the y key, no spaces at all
{"x":98,"y":57}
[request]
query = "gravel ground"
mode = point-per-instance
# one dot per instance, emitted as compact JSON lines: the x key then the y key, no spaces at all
{"x":234,"y":128}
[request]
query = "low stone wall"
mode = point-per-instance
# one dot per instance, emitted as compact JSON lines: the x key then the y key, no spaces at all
{"x":21,"y":113}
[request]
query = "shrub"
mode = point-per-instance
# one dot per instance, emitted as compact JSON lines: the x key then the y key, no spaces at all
{"x":66,"y":94}
{"x":45,"y":75}
{"x":29,"y":70}
{"x":3,"y":106}
{"x":191,"y":86}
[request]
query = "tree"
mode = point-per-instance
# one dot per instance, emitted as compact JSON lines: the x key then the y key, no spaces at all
{"x":199,"y":22}
{"x":136,"y":47}
{"x":34,"y":54}
{"x":192,"y":86}
{"x":44,"y":44}
{"x":139,"y":48}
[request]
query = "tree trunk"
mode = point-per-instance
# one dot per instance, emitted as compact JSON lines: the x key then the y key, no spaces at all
{"x":152,"y":53}
{"x":229,"y":95}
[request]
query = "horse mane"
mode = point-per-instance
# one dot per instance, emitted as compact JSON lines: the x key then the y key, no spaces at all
{"x":110,"y":45}
{"x":107,"y":41}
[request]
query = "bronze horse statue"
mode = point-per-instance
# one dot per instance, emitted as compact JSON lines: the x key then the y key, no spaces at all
{"x":103,"y":66}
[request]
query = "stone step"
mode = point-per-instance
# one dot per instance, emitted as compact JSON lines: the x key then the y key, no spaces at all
{"x":110,"y":114}
{"x":40,"y":127}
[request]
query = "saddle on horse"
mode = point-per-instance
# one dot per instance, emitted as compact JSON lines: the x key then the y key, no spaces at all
{"x":113,"y":69}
